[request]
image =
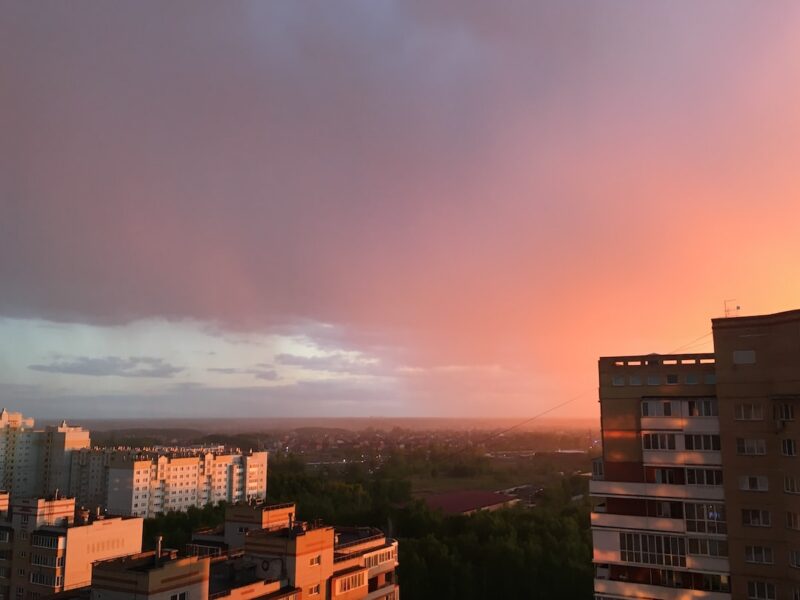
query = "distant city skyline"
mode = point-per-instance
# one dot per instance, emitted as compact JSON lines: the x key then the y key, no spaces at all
{"x":382,"y":208}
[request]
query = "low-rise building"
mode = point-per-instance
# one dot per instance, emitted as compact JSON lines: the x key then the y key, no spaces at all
{"x":330,"y":563}
{"x":239,"y":520}
{"x":155,"y":575}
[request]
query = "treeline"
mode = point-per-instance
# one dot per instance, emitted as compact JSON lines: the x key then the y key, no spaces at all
{"x":541,"y":553}
{"x":177,"y":527}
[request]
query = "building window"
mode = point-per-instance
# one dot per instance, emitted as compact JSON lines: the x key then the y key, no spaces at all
{"x":794,"y":559}
{"x":692,"y":379}
{"x":634,"y":380}
{"x":716,"y":583}
{"x":751,"y":446}
{"x":760,"y":590}
{"x":667,"y":550}
{"x":784,"y":412}
{"x":708,"y":547}
{"x":789,"y":447}
{"x":314,"y":561}
{"x":758,"y":554}
{"x":791,"y":484}
{"x":749,"y":411}
{"x":658,"y":441}
{"x":653,"y":380}
{"x":754,"y":517}
{"x":618,"y":380}
{"x":698,"y":476}
{"x":313,"y":590}
{"x":672,"y":379}
{"x":706,"y":407}
{"x":657,"y":408}
{"x":702,"y":442}
{"x":178,"y":596}
{"x":753,"y":483}
{"x":351,"y":582}
{"x":705,"y":517}
{"x":710,"y":378}
{"x":793,"y":520}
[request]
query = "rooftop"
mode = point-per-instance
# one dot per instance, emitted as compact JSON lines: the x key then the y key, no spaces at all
{"x":142,"y":562}
{"x":754,"y":320}
{"x":466,"y":501}
{"x":652,"y":360}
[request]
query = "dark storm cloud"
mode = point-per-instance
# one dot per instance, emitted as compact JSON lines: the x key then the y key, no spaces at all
{"x":431,"y":183}
{"x":261,"y":371}
{"x":135,"y":366}
{"x":335,"y":363}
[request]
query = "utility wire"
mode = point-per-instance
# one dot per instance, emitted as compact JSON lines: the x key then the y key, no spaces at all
{"x":569,"y":401}
{"x":495,"y":434}
{"x":689,"y":344}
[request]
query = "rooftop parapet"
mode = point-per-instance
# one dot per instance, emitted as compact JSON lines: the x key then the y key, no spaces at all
{"x":656,"y":360}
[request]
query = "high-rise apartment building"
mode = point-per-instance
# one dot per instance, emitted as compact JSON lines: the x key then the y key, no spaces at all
{"x":36,"y":462}
{"x":353,"y":563}
{"x":285,"y":560}
{"x":144,"y":483}
{"x":697,"y":495}
{"x":46,"y":548}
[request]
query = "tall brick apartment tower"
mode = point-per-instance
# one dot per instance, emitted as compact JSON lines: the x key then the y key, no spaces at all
{"x":697,"y":495}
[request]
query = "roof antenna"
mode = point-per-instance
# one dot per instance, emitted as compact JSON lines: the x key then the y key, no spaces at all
{"x":733,"y":309}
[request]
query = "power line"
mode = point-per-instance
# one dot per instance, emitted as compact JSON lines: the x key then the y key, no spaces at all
{"x":689,"y":344}
{"x":525,"y":422}
{"x":571,"y":400}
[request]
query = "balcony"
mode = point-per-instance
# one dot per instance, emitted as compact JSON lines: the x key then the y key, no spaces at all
{"x":681,"y":457}
{"x":640,"y":590}
{"x":718,"y":564}
{"x":390,"y":590}
{"x":638,"y":522}
{"x":655,"y":490}
{"x":686,"y":424}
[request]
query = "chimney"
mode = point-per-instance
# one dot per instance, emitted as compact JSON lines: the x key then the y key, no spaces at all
{"x":159,"y":541}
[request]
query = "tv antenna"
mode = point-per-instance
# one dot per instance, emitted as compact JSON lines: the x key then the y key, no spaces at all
{"x":731,"y":309}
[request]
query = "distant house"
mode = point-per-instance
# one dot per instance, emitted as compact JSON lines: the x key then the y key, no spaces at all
{"x":467,"y":502}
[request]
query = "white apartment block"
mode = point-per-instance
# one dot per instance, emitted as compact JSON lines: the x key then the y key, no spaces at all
{"x":36,"y":462}
{"x":144,"y":483}
{"x":123,"y":481}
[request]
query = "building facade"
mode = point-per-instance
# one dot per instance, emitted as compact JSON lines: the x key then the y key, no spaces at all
{"x":145,"y":483}
{"x":329,"y":563}
{"x":36,"y":462}
{"x":45,"y":548}
{"x":698,"y":491}
{"x":320,"y":562}
{"x":160,"y":575}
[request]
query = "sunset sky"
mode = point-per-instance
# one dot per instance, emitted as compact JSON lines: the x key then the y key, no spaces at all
{"x":383,"y":208}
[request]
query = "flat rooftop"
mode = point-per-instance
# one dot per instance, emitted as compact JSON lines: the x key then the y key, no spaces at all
{"x":466,"y":501}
